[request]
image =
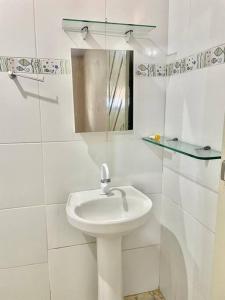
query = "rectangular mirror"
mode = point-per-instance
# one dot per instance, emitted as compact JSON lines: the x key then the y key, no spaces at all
{"x":102,"y":89}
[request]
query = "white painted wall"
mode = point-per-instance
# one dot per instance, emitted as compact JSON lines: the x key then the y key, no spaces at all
{"x":195,"y":109}
{"x":42,"y":160}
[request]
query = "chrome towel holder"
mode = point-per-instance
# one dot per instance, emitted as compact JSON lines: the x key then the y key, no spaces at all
{"x":13,"y":75}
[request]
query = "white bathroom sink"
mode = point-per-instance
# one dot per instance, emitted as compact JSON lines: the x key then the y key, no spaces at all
{"x":108,"y":214}
{"x":123,"y":210}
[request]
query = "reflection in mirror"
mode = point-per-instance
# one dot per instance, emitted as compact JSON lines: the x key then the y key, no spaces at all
{"x":102,"y":89}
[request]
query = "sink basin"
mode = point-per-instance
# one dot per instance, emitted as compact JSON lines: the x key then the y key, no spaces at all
{"x":108,"y":218}
{"x":100,"y":215}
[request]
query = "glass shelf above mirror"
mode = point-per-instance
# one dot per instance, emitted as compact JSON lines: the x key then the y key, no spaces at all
{"x":138,"y":31}
{"x":184,"y":148}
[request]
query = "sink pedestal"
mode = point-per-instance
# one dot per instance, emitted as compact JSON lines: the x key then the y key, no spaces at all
{"x":109,"y":256}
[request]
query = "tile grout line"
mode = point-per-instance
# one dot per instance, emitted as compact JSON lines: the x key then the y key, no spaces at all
{"x":190,"y":179}
{"x":69,"y":246}
{"x":26,"y":265}
{"x":189,"y":214}
{"x":94,"y":242}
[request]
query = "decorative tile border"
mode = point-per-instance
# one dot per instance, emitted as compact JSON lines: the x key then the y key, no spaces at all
{"x":149,"y":70}
{"x":207,"y":58}
{"x":204,"y":59}
{"x":34,"y":65}
{"x":153,"y":295}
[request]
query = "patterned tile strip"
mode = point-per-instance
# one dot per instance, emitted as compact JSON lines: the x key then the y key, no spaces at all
{"x":34,"y":65}
{"x":207,"y":58}
{"x":204,"y":59}
{"x":153,"y":295}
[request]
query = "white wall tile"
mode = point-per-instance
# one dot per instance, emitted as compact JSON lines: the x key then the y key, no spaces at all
{"x":195,"y":106}
{"x":73,"y":273}
{"x":206,"y":21}
{"x":21,"y":175}
{"x":72,"y":166}
{"x":197,"y":200}
{"x":17,"y":28}
{"x":201,"y":172}
{"x":149,"y":106}
{"x":173,"y":273}
{"x":25,"y":283}
{"x":19,"y":113}
{"x":152,"y":12}
{"x":194,"y":245}
{"x":194,"y":113}
{"x":140,"y":270}
{"x":133,"y":161}
{"x":200,"y":21}
{"x":60,"y":232}
{"x":51,"y":24}
{"x":57,"y":108}
{"x":179,"y":11}
{"x":149,"y":234}
{"x":23,"y":237}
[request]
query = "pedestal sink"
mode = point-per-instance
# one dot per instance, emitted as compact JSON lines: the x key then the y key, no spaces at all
{"x":108,"y":218}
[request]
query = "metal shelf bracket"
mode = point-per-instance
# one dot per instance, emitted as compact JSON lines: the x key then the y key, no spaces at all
{"x":128,"y":35}
{"x":84,"y":32}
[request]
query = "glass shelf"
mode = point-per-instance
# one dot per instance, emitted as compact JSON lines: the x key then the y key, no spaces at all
{"x":185,"y":148}
{"x":107,"y":28}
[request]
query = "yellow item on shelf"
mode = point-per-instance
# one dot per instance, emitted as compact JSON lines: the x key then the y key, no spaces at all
{"x":155,"y":137}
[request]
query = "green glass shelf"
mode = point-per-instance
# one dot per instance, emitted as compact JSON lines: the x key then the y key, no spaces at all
{"x":185,"y":148}
{"x":107,"y":28}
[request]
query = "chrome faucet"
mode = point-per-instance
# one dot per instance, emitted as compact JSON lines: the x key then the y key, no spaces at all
{"x":123,"y":196}
{"x":105,"y":179}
